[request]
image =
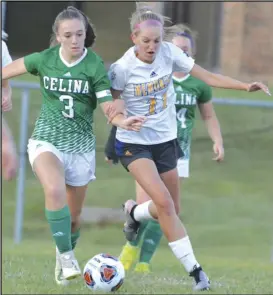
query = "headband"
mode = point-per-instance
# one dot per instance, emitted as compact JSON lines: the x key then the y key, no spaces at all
{"x":184,"y":34}
{"x":149,"y":22}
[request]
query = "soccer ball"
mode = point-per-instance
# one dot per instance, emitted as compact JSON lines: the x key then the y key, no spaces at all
{"x":104,"y":272}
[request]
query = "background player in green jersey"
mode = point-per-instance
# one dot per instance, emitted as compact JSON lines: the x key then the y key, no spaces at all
{"x":190,"y":92}
{"x":62,"y":147}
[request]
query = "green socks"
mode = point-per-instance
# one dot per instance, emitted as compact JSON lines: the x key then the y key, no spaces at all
{"x":60,"y":226}
{"x":151,"y":240}
{"x":151,"y":234}
{"x":140,"y":234}
{"x":74,"y":238}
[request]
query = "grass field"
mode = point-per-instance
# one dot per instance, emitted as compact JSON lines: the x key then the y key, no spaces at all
{"x":227,"y":209}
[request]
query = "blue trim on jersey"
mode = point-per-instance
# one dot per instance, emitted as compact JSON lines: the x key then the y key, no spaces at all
{"x":119,"y":148}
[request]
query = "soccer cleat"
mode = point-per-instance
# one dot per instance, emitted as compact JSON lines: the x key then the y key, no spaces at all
{"x":128,"y":256}
{"x":202,"y":282}
{"x":70,"y":266}
{"x":131,"y":226}
{"x":142,"y":267}
{"x":60,"y":280}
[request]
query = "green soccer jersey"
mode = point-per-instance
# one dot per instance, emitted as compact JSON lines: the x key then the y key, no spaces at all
{"x":70,"y":94}
{"x":189,"y":92}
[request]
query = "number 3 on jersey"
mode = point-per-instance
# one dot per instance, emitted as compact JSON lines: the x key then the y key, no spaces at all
{"x":181,"y":116}
{"x":69,"y":108}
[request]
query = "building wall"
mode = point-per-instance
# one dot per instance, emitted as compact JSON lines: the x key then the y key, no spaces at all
{"x":247,"y":40}
{"x":233,"y":36}
{"x":111,"y":21}
{"x":112,"y":27}
{"x":29,"y":25}
{"x":205,"y":18}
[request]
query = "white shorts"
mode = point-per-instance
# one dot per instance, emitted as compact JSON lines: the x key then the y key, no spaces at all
{"x":183,"y":167}
{"x":79,"y":168}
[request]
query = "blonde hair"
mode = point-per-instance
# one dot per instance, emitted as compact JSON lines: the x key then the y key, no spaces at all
{"x":181,"y":30}
{"x":73,"y":13}
{"x":145,"y":12}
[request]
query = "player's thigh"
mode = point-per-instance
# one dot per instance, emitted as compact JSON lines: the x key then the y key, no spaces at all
{"x":141,"y":195}
{"x":80,"y":168}
{"x":129,"y":152}
{"x":146,"y":174}
{"x":79,"y":171}
{"x":47,"y":164}
{"x":165,"y":156}
{"x":138,"y":160}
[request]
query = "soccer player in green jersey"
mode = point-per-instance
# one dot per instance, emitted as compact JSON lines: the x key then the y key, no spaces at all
{"x":62,"y":147}
{"x":192,"y":92}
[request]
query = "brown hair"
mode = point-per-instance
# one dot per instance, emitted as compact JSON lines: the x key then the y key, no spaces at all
{"x":73,"y":13}
{"x":182,"y":30}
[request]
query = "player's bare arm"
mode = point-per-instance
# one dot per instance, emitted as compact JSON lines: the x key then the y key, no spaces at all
{"x":209,"y":117}
{"x":113,"y":108}
{"x":133,"y":123}
{"x":117,"y":106}
{"x":14,"y":69}
{"x":115,"y":93}
{"x":220,"y":81}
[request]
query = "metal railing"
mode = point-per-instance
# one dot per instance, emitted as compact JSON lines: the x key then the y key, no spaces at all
{"x":20,"y":189}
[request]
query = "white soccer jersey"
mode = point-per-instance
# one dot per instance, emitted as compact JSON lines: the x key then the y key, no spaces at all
{"x":147,"y":89}
{"x":6,"y":59}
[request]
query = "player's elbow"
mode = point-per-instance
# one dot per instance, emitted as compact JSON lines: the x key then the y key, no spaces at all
{"x":206,"y":117}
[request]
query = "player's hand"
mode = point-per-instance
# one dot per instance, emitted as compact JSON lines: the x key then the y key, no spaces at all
{"x":133,"y":123}
{"x":109,"y":161}
{"x":219,"y":152}
{"x":255,"y":86}
{"x":6,"y":99}
{"x":115,"y":108}
{"x":9,"y":161}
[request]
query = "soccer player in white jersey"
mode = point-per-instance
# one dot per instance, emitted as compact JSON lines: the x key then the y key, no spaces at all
{"x":190,"y":93}
{"x":142,"y":77}
{"x":61,"y":150}
{"x":9,"y":156}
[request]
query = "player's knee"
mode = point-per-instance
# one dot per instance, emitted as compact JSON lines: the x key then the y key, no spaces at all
{"x":54,"y":192}
{"x":165,"y":205}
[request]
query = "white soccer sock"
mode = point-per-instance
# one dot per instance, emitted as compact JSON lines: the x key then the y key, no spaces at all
{"x":183,"y":251}
{"x":142,"y":212}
